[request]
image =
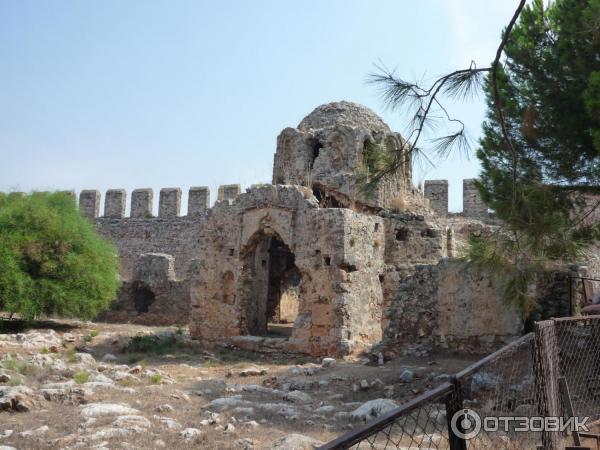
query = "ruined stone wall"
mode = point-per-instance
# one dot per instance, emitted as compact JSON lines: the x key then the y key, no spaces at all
{"x":141,"y":232}
{"x":338,"y":253}
{"x":153,"y":296}
{"x":448,"y":305}
{"x":330,"y":147}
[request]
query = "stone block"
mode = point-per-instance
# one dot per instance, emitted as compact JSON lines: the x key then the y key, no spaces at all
{"x":141,"y":203}
{"x":170,"y":202}
{"x":89,"y":203}
{"x":198,"y":200}
{"x":114,"y":203}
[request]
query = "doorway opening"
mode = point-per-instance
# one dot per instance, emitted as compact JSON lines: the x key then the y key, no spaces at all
{"x":143,"y":297}
{"x":272,"y":287}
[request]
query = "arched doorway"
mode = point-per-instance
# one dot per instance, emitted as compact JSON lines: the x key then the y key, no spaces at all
{"x":271,"y":286}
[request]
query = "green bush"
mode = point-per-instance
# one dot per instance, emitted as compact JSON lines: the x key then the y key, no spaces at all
{"x":51,"y":259}
{"x":153,"y":344}
{"x":156,"y":378}
{"x":81,"y":377}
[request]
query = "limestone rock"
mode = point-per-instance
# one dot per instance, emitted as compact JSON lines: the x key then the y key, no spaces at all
{"x":37,"y":432}
{"x":298,"y":397}
{"x":107,"y":409}
{"x":18,"y":399}
{"x":295,"y":442}
{"x":373,"y":408}
{"x":165,"y":407}
{"x":407,"y":376}
{"x":190,"y":433}
{"x":253,"y":371}
{"x":132,"y":422}
{"x":328,"y":362}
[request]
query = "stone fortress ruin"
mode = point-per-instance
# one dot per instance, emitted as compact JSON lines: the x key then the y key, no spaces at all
{"x":310,"y":264}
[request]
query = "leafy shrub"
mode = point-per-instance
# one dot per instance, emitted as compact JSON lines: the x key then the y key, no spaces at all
{"x":81,"y":377}
{"x":153,"y":344}
{"x":19,"y":366}
{"x":156,"y":378}
{"x":51,"y":259}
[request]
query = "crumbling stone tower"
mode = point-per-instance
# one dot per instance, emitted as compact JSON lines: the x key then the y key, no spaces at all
{"x":330,"y":149}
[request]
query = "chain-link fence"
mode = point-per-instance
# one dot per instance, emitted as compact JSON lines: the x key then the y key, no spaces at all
{"x":552,"y":372}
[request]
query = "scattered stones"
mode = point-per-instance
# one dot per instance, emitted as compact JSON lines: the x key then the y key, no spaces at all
{"x":18,"y":399}
{"x":364,"y":385}
{"x":253,"y":371}
{"x":37,"y":432}
{"x":373,"y":408}
{"x":70,"y":394}
{"x":164,"y":408}
{"x":190,"y":434}
{"x":4,"y":377}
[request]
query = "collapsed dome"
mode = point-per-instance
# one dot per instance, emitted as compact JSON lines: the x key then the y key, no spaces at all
{"x":343,"y":113}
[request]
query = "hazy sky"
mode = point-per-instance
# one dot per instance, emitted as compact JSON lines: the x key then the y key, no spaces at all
{"x":129,"y":94}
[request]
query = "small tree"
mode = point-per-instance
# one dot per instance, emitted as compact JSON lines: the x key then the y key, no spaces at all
{"x":51,"y":259}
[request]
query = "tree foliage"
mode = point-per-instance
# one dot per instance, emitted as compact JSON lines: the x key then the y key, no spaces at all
{"x":548,"y":89}
{"x":541,"y":145}
{"x":51,"y":259}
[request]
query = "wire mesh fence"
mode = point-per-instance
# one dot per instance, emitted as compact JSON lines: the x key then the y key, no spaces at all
{"x":552,"y":372}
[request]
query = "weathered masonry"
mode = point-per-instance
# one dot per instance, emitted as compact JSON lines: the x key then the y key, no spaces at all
{"x":310,"y":263}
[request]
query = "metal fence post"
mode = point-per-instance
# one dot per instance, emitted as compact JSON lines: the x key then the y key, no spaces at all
{"x":454,"y":403}
{"x":546,"y":373}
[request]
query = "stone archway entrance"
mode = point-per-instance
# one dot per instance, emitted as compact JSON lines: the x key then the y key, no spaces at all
{"x":271,"y":286}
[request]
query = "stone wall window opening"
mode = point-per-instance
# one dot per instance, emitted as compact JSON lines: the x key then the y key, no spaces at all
{"x":273,"y":293}
{"x":143,"y":297}
{"x":315,"y":150}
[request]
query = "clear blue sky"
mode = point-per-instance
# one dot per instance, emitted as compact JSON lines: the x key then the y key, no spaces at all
{"x":128,"y":94}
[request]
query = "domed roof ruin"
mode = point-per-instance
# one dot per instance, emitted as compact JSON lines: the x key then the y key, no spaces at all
{"x":343,"y":113}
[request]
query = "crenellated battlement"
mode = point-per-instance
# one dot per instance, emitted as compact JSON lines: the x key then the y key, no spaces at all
{"x":199,"y":201}
{"x":436,"y":191}
{"x":169,"y":202}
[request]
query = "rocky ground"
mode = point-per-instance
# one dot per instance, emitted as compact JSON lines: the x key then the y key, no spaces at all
{"x":86,"y":385}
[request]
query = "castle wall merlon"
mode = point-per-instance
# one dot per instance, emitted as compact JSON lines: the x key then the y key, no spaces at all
{"x":437,"y":193}
{"x":89,"y":203}
{"x":198,"y":200}
{"x":169,"y":203}
{"x":141,"y":203}
{"x":114,"y":203}
{"x":473,"y":205}
{"x":229,"y":192}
